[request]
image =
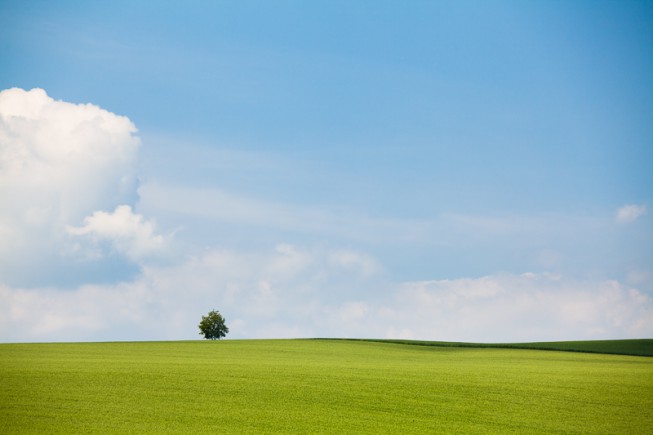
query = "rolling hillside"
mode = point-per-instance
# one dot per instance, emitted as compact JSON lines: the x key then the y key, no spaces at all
{"x":318,"y":386}
{"x":638,"y":347}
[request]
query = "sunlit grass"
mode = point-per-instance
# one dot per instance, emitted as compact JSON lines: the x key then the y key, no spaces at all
{"x":318,"y":386}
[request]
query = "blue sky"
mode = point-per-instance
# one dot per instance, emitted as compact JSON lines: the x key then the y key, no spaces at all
{"x":432,"y":170}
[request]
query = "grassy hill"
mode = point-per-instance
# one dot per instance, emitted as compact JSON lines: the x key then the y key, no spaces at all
{"x":318,"y":386}
{"x":638,"y":347}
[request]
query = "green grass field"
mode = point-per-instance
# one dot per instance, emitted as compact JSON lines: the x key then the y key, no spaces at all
{"x":318,"y":386}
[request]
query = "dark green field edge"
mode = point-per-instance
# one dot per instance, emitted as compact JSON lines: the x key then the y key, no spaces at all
{"x":638,"y":347}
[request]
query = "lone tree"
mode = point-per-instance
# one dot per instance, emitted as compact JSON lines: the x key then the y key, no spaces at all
{"x":212,"y":326}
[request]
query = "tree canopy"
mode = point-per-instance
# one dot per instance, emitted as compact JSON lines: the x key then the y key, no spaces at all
{"x":213,"y":326}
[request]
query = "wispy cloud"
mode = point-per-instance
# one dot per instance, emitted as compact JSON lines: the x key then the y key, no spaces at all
{"x":228,"y":207}
{"x":630,"y":213}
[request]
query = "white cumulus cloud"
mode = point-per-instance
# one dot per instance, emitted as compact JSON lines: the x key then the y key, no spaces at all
{"x":129,"y":233}
{"x":61,"y":160}
{"x":59,"y":163}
